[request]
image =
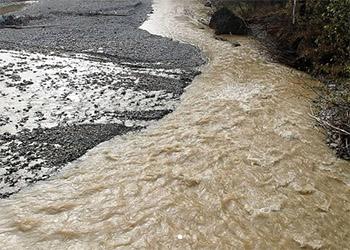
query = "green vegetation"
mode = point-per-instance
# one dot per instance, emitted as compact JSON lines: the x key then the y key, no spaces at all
{"x":329,"y":24}
{"x":317,"y":35}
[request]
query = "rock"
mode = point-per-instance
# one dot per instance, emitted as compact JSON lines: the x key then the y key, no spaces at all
{"x":225,"y":21}
{"x":204,"y":21}
{"x":208,"y":4}
{"x":220,"y":38}
{"x":236,"y":44}
{"x":16,"y":77}
{"x":13,"y":20}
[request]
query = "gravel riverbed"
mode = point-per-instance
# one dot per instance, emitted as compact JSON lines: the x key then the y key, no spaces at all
{"x":76,"y":73}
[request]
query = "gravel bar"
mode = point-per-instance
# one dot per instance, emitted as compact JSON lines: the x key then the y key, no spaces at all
{"x":75,"y":73}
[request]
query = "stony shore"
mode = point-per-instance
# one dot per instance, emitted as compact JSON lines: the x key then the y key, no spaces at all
{"x":77,"y":73}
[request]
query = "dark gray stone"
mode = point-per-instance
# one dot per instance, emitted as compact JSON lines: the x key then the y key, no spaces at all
{"x":208,"y":4}
{"x":225,"y":21}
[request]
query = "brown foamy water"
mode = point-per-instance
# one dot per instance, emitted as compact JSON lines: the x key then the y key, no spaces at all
{"x":238,"y":165}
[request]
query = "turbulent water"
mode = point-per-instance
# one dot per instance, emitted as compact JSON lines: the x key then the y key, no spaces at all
{"x":238,"y":165}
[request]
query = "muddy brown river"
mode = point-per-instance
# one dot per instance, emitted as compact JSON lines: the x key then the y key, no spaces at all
{"x":238,"y":165}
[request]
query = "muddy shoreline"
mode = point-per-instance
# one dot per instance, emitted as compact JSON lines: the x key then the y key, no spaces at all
{"x":56,"y":107}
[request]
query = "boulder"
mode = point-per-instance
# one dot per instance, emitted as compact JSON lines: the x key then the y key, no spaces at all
{"x":225,"y":21}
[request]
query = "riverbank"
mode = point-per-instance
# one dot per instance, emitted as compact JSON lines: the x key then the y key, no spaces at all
{"x":76,"y":73}
{"x":315,"y":42}
{"x":237,"y":165}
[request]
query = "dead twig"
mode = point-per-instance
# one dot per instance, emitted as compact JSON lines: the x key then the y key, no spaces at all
{"x":327,"y":124}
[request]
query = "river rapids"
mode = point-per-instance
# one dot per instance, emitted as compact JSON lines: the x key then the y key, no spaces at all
{"x":238,"y":165}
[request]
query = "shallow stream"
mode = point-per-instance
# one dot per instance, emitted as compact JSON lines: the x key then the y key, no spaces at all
{"x":238,"y":165}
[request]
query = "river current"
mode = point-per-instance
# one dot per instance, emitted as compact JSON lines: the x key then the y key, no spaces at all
{"x":238,"y":165}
